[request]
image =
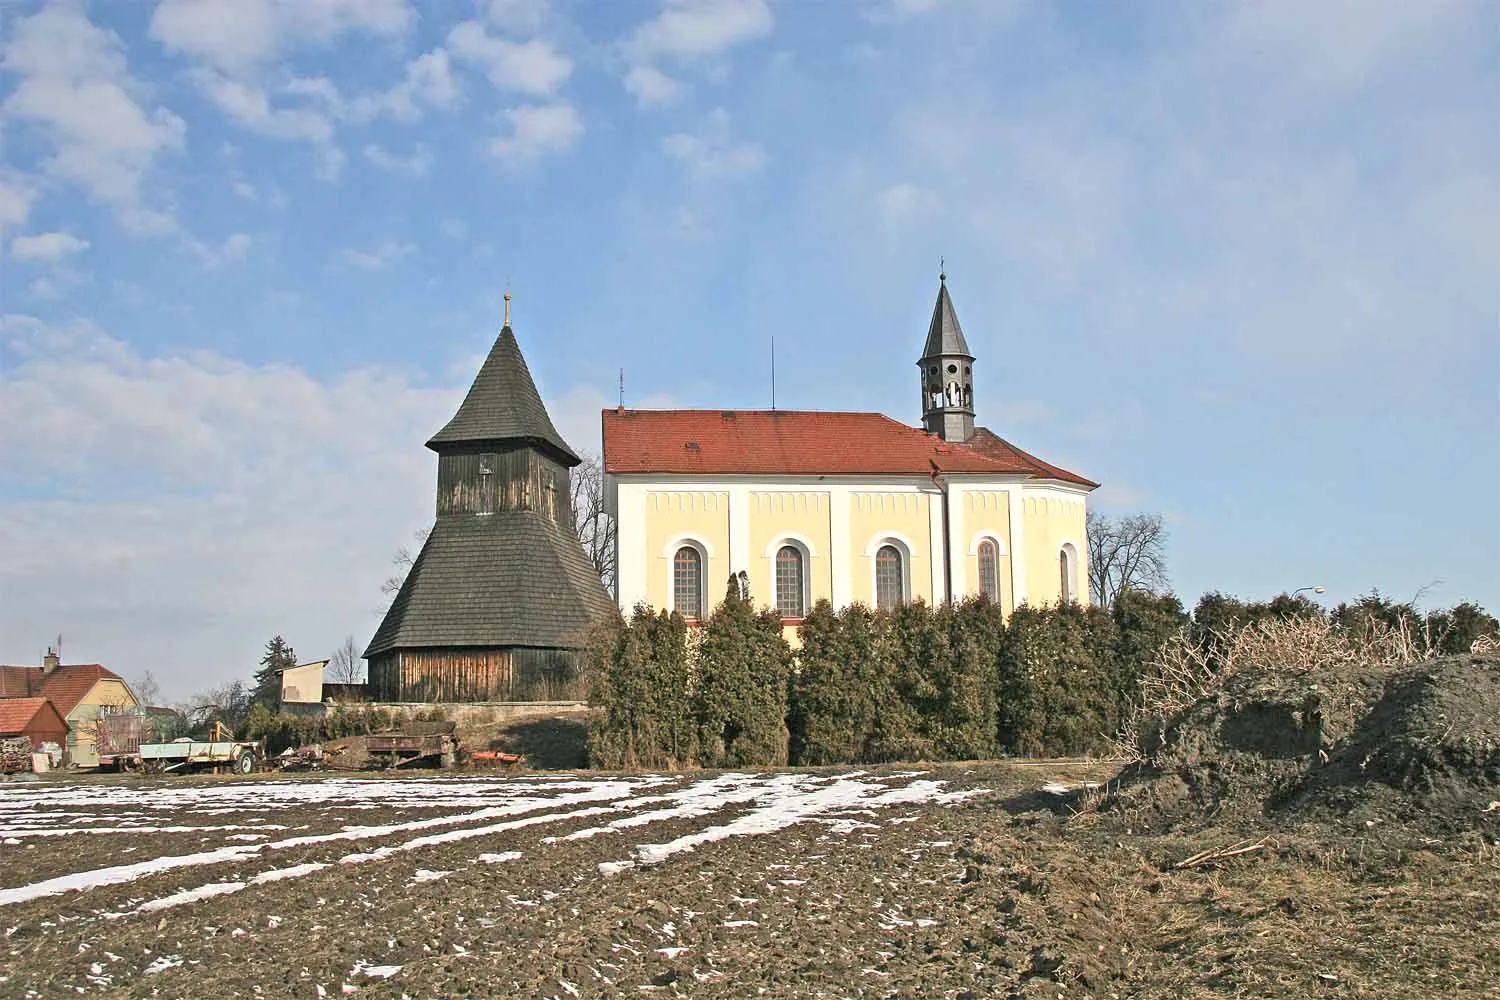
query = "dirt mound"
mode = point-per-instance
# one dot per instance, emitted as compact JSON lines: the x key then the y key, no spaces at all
{"x":1416,"y":744}
{"x":1428,"y":749}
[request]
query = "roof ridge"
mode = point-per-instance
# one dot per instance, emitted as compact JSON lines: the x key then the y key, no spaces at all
{"x":729,"y":409}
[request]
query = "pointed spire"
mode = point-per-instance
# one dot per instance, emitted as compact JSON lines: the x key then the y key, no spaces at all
{"x":944,"y":335}
{"x":503,"y":405}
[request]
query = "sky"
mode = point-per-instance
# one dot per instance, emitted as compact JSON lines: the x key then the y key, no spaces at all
{"x":1237,"y":262}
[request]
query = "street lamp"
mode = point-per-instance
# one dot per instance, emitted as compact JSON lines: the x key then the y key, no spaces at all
{"x":1316,"y":590}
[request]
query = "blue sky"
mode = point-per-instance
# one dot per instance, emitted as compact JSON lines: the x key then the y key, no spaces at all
{"x":1237,"y":262}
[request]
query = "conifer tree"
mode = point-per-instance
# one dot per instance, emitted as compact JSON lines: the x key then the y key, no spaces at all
{"x":741,"y":686}
{"x":278,"y":657}
{"x":830,"y":713}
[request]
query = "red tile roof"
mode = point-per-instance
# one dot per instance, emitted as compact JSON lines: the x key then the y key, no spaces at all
{"x":65,"y":687}
{"x":800,"y":443}
{"x":16,"y":714}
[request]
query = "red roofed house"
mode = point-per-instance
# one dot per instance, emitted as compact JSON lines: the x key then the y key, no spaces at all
{"x":77,"y":691}
{"x":34,"y":718}
{"x":845,"y":506}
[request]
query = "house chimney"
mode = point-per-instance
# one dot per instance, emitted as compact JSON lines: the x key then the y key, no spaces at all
{"x":50,"y":661}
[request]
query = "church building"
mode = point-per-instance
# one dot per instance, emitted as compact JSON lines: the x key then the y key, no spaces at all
{"x":844,"y":506}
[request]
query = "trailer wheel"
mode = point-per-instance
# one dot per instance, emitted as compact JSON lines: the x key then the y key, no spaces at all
{"x":245,"y":762}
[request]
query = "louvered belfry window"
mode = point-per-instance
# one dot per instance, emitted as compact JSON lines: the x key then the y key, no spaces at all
{"x":687,"y":582}
{"x":889,"y":578}
{"x":989,"y":575}
{"x":789,"y":580}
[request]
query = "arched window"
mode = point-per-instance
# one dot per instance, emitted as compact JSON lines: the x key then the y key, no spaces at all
{"x":989,"y":571}
{"x":1068,"y":591}
{"x":890,"y":579}
{"x":687,"y":582}
{"x":790,"y":576}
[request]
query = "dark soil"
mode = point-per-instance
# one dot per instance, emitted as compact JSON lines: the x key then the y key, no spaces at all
{"x":1370,"y":869}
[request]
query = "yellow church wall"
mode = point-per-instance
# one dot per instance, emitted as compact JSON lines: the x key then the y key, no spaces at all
{"x":987,"y":513}
{"x":672,"y":516}
{"x":801,"y":516}
{"x":1050,"y":522}
{"x":903,"y":516}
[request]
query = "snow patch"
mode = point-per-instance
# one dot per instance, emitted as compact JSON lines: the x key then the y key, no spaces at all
{"x":362,"y":968}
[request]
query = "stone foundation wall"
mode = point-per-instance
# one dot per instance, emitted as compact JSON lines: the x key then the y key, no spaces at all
{"x":469,"y":715}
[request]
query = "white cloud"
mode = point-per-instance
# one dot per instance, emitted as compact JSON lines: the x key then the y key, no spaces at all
{"x":913,"y":8}
{"x":650,"y":86}
{"x":188,"y":527}
{"x":235,"y":247}
{"x":233,"y":250}
{"x":904,"y":205}
{"x":236,"y":36}
{"x":231,"y":35}
{"x":387,"y":253}
{"x":251,"y":106}
{"x":1337,"y":44}
{"x":235,"y":46}
{"x":75,"y":85}
{"x":429,"y":83}
{"x":415,"y":165}
{"x":688,"y":31}
{"x":531,"y":67}
{"x":516,"y":15}
{"x":695,"y":29}
{"x":537,"y":130}
{"x":712,"y":153}
{"x":46,"y":246}
{"x":15,"y":201}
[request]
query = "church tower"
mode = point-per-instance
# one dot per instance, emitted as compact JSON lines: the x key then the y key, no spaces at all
{"x":498,"y":604}
{"x":947,"y":370}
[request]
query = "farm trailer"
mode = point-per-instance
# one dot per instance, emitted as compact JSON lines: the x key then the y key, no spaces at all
{"x":178,"y":756}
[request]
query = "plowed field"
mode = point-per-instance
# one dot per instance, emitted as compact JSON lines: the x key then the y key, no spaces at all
{"x":949,"y":881}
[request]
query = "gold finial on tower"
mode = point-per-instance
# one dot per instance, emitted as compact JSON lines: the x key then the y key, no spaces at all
{"x":507,"y":308}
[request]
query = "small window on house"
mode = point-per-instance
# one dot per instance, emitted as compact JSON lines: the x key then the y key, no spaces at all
{"x":687,"y":582}
{"x":790,"y":576}
{"x":989,"y":571}
{"x":1066,"y":591}
{"x":890,"y":580}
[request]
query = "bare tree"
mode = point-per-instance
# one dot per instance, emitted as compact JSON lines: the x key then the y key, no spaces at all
{"x":596,"y":528}
{"x":1125,"y":552}
{"x":146,"y":689}
{"x":402,"y":560}
{"x":229,"y":703}
{"x":345,"y":667}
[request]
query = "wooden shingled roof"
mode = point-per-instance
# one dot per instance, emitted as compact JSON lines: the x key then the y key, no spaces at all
{"x":512,"y":578}
{"x":503,"y":405}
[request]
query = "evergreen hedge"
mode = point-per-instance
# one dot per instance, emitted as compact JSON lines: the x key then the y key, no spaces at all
{"x":916,"y":683}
